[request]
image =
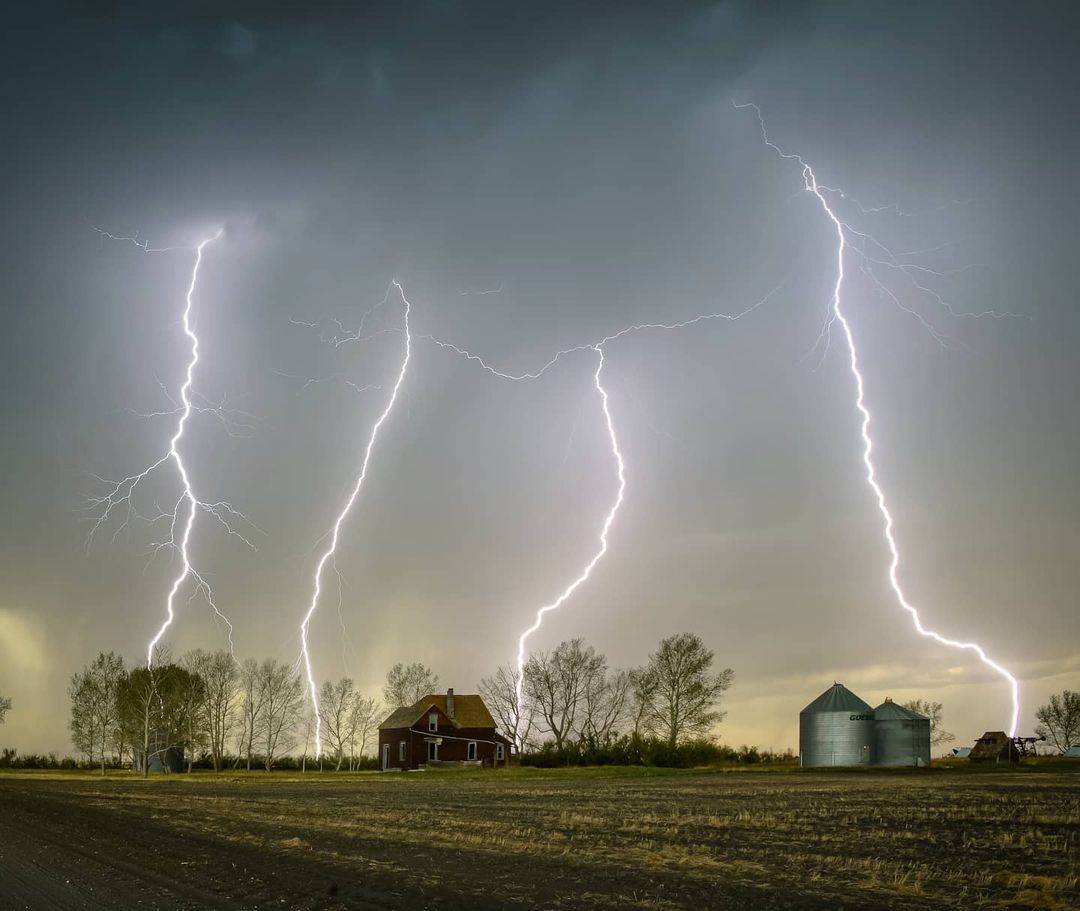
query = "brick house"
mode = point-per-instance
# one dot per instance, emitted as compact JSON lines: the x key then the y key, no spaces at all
{"x":442,"y":730}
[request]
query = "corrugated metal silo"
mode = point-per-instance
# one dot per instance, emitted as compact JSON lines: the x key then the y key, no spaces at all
{"x":836,"y":729}
{"x":901,"y":736}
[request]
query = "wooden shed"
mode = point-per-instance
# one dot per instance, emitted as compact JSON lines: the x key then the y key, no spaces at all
{"x":994,"y":746}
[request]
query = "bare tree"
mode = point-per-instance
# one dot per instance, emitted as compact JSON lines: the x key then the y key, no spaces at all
{"x":514,"y":717}
{"x":364,"y":723}
{"x":81,"y":724}
{"x":555,"y":683}
{"x":933,"y":711}
{"x":118,"y":739}
{"x":221,"y":698}
{"x":406,"y":684}
{"x":94,"y":705}
{"x":282,"y":699}
{"x":642,"y":688}
{"x":307,"y":725}
{"x":683,"y":691}
{"x":192,"y":696}
{"x":336,"y":713}
{"x":251,"y":697}
{"x":1059,"y":720}
{"x":606,"y":704}
{"x":5,"y":707}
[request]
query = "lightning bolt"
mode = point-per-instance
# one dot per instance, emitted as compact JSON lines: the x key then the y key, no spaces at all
{"x":328,"y":555}
{"x":174,"y":454}
{"x":587,"y":571}
{"x":120,"y":494}
{"x":598,"y":347}
{"x":837,"y":315}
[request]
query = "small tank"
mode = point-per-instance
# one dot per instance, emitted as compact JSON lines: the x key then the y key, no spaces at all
{"x":836,"y":729}
{"x":901,"y":736}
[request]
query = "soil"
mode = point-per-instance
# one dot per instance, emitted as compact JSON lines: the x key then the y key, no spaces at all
{"x":546,"y":840}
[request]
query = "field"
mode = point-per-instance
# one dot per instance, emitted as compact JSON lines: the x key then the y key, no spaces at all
{"x":532,"y":839}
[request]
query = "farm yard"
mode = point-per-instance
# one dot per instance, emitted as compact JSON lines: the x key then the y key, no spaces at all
{"x":543,"y":839}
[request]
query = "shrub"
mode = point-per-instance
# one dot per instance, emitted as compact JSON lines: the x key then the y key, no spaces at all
{"x":631,"y":749}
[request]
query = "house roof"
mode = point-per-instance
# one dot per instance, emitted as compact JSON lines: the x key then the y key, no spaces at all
{"x":469,"y":712}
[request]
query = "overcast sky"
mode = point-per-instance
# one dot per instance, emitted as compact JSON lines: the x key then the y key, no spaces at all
{"x":587,"y":168}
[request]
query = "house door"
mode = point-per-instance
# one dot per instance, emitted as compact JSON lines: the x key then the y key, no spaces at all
{"x":386,"y":756}
{"x":432,"y":750}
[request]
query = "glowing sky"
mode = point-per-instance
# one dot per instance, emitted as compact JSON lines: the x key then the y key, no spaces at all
{"x":592,"y":168}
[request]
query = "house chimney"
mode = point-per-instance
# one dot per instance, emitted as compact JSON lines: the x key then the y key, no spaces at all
{"x":450,"y":703}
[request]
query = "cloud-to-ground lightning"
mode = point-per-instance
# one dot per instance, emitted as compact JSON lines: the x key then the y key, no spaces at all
{"x":174,"y":454}
{"x":123,"y":491}
{"x":837,"y":315}
{"x":327,"y":555}
{"x":598,"y":347}
{"x":587,"y":571}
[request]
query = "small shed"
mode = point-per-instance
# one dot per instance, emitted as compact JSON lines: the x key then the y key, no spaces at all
{"x":994,"y":746}
{"x":162,"y":754}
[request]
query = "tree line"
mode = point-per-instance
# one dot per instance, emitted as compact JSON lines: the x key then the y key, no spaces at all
{"x":572,"y":700}
{"x":255,"y":713}
{"x":573,"y":707}
{"x":238,"y":713}
{"x":226,"y":712}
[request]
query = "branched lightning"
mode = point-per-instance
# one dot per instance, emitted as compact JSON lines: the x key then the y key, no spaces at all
{"x":235,"y":422}
{"x":837,"y":315}
{"x":483,"y":292}
{"x":587,"y":571}
{"x":559,"y":355}
{"x":339,"y":335}
{"x":174,"y":454}
{"x":119,"y":495}
{"x":598,"y":347}
{"x":328,"y":555}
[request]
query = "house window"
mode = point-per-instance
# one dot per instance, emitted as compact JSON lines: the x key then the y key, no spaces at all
{"x":432,"y":750}
{"x":499,"y":752}
{"x":472,"y":749}
{"x":401,"y":751}
{"x":433,"y":721}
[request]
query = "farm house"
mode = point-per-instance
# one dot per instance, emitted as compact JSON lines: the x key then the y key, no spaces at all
{"x":442,"y":730}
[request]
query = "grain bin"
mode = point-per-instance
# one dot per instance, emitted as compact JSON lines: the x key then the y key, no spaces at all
{"x":836,"y":729}
{"x":901,"y":736}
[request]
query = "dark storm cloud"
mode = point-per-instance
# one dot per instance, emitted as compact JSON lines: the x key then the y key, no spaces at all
{"x":585,"y":159}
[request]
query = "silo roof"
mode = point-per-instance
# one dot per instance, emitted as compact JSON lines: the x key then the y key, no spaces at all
{"x":892,"y":711}
{"x":837,"y":698}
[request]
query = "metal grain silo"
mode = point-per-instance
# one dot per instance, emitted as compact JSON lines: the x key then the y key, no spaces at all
{"x":836,"y":729}
{"x":901,"y":736}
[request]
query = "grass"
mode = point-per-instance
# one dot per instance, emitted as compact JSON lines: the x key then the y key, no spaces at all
{"x":947,"y":767}
{"x":956,"y":836}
